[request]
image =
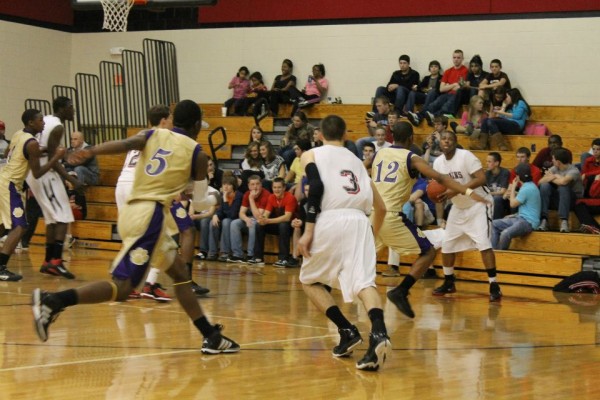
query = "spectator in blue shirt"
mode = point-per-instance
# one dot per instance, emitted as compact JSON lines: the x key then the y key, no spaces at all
{"x":509,"y":119}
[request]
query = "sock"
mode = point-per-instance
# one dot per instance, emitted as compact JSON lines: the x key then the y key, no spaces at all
{"x":152,"y":276}
{"x":448,"y":271}
{"x":49,"y":247}
{"x":4,"y":259}
{"x":58,"y":249}
{"x":204,"y":326}
{"x":491,"y":275}
{"x":66,"y":298}
{"x":407,"y":283}
{"x":336,"y":316}
{"x":377,"y":323}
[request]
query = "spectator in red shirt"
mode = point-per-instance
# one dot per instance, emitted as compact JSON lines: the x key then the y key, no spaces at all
{"x":543,"y":159}
{"x":586,"y":208}
{"x":276,"y":220}
{"x":523,"y":155}
{"x":253,"y":206}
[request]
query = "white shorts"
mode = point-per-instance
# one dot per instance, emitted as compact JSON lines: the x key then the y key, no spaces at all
{"x":342,"y":253}
{"x":122,"y":192}
{"x":435,"y":237}
{"x":50,"y":193}
{"x":468,"y":229}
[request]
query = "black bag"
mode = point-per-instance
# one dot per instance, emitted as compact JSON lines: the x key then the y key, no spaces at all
{"x":580,"y":282}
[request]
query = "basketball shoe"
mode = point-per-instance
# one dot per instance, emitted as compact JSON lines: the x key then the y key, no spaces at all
{"x":218,"y":343}
{"x":8,"y":276}
{"x":378,"y":351}
{"x":155,"y":292}
{"x":199,"y":290}
{"x":447,"y":287}
{"x":349,"y":339}
{"x":495,"y":293}
{"x":56,"y":267}
{"x":45,"y":312}
{"x":400,"y":300}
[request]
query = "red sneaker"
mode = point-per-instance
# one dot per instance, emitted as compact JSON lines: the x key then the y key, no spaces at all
{"x":56,"y":268}
{"x":155,"y":292}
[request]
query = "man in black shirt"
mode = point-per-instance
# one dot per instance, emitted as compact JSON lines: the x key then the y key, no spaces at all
{"x":400,"y":84}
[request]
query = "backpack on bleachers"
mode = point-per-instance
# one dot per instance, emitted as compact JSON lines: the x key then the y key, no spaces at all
{"x":536,"y":129}
{"x":580,"y":282}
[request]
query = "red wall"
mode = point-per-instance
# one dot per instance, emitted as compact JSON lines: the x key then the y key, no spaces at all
{"x":281,"y":10}
{"x":227,"y":11}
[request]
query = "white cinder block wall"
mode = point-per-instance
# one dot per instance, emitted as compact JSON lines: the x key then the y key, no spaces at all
{"x":553,"y":61}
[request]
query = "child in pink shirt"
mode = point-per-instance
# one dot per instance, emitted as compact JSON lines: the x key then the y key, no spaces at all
{"x":241,"y":86}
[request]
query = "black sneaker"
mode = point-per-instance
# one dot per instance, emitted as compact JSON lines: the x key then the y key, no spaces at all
{"x":199,"y":290}
{"x":413,"y":118}
{"x":379,"y":349}
{"x":349,"y":339}
{"x":8,"y":276}
{"x":234,"y":259}
{"x":430,"y":274}
{"x":43,"y":313}
{"x":256,"y":261}
{"x":453,"y":125}
{"x":495,"y":292}
{"x":429,"y":117}
{"x":446,"y":288}
{"x":400,"y":300}
{"x":217,"y":343}
{"x":56,"y":268}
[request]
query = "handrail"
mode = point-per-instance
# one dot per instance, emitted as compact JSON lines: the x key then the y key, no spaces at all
{"x":213,"y":149}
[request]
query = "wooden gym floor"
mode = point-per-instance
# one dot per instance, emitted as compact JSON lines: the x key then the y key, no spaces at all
{"x":532,"y":346}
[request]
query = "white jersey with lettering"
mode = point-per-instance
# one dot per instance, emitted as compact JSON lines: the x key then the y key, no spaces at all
{"x":346,"y":181}
{"x":460,"y":167}
{"x":50,"y":122}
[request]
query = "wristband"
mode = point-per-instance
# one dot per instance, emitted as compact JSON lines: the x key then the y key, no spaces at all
{"x":468,"y":192}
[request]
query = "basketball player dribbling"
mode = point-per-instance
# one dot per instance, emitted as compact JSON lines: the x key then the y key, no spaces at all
{"x":394,"y":172}
{"x":169,"y":159}
{"x":342,"y":192}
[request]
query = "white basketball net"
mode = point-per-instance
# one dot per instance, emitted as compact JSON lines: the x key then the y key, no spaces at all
{"x":115,"y":14}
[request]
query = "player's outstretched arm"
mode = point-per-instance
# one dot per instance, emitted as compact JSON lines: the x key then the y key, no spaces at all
{"x":136,"y":142}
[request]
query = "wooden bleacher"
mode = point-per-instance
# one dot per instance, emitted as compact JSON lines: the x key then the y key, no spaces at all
{"x":541,"y":259}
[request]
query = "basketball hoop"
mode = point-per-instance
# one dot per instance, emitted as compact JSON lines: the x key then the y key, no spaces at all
{"x":116,"y":12}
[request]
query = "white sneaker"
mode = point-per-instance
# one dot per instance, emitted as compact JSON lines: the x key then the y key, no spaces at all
{"x":543,"y":226}
{"x":564,"y":226}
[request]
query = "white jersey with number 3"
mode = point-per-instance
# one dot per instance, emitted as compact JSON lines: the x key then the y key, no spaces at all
{"x":346,"y":181}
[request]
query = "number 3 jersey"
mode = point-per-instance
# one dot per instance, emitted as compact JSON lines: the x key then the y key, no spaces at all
{"x":165,"y":166}
{"x":393,"y":176}
{"x":345,"y":179}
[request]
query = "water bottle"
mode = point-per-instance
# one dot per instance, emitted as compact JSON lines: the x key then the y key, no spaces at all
{"x":263,"y":109}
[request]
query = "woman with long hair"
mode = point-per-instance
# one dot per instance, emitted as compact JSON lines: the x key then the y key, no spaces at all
{"x":280,"y":90}
{"x":256,"y":134}
{"x":273,"y":165}
{"x":509,"y":119}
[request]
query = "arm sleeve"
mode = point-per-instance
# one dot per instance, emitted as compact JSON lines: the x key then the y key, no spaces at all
{"x":315,"y":192}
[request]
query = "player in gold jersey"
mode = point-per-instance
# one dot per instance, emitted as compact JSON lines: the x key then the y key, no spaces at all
{"x":24,"y":154}
{"x":169,"y":160}
{"x":394,"y":172}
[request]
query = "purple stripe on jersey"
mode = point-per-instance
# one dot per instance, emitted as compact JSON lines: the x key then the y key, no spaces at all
{"x":181,"y":217}
{"x":197,"y":151}
{"x":17,"y":209}
{"x":149,"y":133}
{"x":424,"y":243}
{"x":412,"y":172}
{"x":126,"y":268}
{"x":25,"y":148}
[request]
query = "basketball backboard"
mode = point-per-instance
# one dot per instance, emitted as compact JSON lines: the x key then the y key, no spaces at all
{"x":96,"y":5}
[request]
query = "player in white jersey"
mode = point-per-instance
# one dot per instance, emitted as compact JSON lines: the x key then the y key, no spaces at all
{"x":469,"y":222}
{"x":169,"y":160}
{"x":24,"y":155}
{"x":338,"y":246}
{"x":50,"y":192}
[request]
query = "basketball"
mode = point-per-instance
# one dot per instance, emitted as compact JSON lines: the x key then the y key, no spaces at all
{"x":434,"y":189}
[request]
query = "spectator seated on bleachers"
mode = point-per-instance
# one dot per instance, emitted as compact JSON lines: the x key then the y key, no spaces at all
{"x":314,"y":90}
{"x":470,"y":86}
{"x":280,"y":90}
{"x":427,"y":90}
{"x":493,"y":80}
{"x":273,"y":166}
{"x":228,"y":212}
{"x":497,"y":179}
{"x":256,"y":134}
{"x":254,"y":204}
{"x":470,"y":124}
{"x":87,"y":173}
{"x":257,"y":90}
{"x":527,"y":219}
{"x":523,"y":154}
{"x":251,"y":165}
{"x":401,"y":83}
{"x":543,"y":159}
{"x":373,"y":119}
{"x":560,"y":187}
{"x":589,"y":205}
{"x":380,"y":142}
{"x":298,"y":129}
{"x":295,"y":174}
{"x":209,"y":236}
{"x":215,"y":175}
{"x":431,"y":145}
{"x":276,"y":220}
{"x":510,"y":119}
{"x":241,"y":86}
